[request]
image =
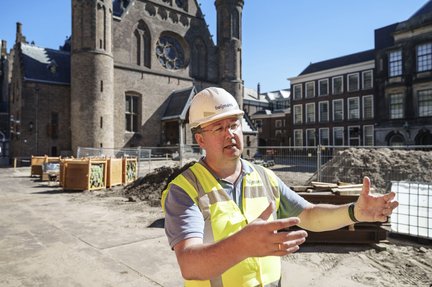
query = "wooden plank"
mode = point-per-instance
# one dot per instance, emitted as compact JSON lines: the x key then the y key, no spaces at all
{"x":301,"y":188}
{"x":323,"y":184}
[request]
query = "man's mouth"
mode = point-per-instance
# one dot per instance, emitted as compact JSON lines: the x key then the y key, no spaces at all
{"x":230,"y":146}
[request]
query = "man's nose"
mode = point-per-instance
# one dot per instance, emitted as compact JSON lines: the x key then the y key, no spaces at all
{"x":229,"y":131}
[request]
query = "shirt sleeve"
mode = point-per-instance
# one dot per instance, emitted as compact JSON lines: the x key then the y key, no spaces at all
{"x":183,"y":219}
{"x":291,"y":204}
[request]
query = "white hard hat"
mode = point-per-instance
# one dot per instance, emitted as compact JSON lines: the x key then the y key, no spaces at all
{"x":212,"y":104}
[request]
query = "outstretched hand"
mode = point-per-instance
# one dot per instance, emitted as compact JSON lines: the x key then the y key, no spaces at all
{"x":373,"y":207}
{"x":261,"y":237}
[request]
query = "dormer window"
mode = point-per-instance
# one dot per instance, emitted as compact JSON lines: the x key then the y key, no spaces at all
{"x":52,"y":67}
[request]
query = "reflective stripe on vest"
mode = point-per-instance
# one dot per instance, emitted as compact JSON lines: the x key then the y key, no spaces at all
{"x":223,"y":218}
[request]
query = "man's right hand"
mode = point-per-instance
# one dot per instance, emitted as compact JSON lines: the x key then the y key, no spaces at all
{"x":261,"y":237}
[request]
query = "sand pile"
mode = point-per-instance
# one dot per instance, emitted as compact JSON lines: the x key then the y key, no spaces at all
{"x":149,"y":188}
{"x":381,"y":165}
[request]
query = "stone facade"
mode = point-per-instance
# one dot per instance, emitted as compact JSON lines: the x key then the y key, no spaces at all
{"x":126,"y":58}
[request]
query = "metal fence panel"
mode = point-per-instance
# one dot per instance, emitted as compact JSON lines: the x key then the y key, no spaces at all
{"x":386,"y":166}
{"x":414,"y":213}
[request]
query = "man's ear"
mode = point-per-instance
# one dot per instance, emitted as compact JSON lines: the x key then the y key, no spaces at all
{"x":199,"y":139}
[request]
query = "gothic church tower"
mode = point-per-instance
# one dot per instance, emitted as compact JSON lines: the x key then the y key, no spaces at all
{"x":229,"y":42}
{"x":92,"y":74}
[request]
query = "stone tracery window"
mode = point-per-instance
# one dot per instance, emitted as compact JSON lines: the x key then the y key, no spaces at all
{"x":141,"y":54}
{"x":170,"y":53}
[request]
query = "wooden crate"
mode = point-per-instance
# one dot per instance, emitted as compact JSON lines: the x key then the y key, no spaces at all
{"x":62,"y":170}
{"x":130,"y":170}
{"x":114,"y":172}
{"x":36,"y":165}
{"x":85,"y":174}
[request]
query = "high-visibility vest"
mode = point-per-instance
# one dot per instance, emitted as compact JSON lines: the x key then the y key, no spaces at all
{"x":223,"y":218}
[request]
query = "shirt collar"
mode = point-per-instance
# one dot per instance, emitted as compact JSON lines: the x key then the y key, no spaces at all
{"x":246,"y":169}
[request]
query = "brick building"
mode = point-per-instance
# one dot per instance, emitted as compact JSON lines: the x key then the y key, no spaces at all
{"x":381,"y":97}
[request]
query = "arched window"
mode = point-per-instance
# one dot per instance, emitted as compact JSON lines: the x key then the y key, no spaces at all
{"x":395,"y":139}
{"x":235,"y":24}
{"x":132,"y":111}
{"x":199,"y":59}
{"x":101,"y":27}
{"x":170,"y":51}
{"x":141,"y":44}
{"x":424,"y":137}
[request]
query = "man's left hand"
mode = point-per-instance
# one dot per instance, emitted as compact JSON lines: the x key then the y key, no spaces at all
{"x":374,"y":207}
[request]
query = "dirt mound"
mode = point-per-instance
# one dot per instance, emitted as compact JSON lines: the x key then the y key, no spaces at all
{"x":381,"y":165}
{"x":149,"y":188}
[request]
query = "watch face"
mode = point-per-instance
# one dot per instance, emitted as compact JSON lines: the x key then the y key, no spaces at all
{"x":170,"y":53}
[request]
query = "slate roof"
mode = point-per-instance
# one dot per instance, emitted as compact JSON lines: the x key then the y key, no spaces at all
{"x":178,"y":104}
{"x":277,"y":95}
{"x":45,"y":65}
{"x":421,"y":17}
{"x":340,"y":61}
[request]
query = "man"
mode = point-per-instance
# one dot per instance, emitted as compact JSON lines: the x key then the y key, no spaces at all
{"x":223,"y":213}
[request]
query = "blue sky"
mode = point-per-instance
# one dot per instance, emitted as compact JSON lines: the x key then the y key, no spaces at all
{"x":280,"y":37}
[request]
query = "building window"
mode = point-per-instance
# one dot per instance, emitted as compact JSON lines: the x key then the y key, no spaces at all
{"x":310,"y":90}
{"x":367,"y":80}
{"x":297,"y":92}
{"x":53,"y":126}
{"x":396,"y":140}
{"x":337,"y":85}
{"x":323,"y":111}
{"x":310,"y":137}
{"x":338,"y":136}
{"x":278,"y":133}
{"x":323,"y":87}
{"x":338,"y":111}
{"x":278,"y":123}
{"x":353,"y":82}
{"x":298,"y":114}
{"x":170,"y":53}
{"x":368,"y":135}
{"x":395,"y":63}
{"x":354,"y":135}
{"x":324,"y":136}
{"x":368,"y":109}
{"x":141,"y":42}
{"x":298,"y":137}
{"x":353,"y":109}
{"x":131,"y":113}
{"x":424,"y":57}
{"x":310,"y":113}
{"x":396,"y":106}
{"x":425,"y":103}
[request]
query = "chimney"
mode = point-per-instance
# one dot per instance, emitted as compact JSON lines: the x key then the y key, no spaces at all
{"x":258,"y":91}
{"x":19,"y":35}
